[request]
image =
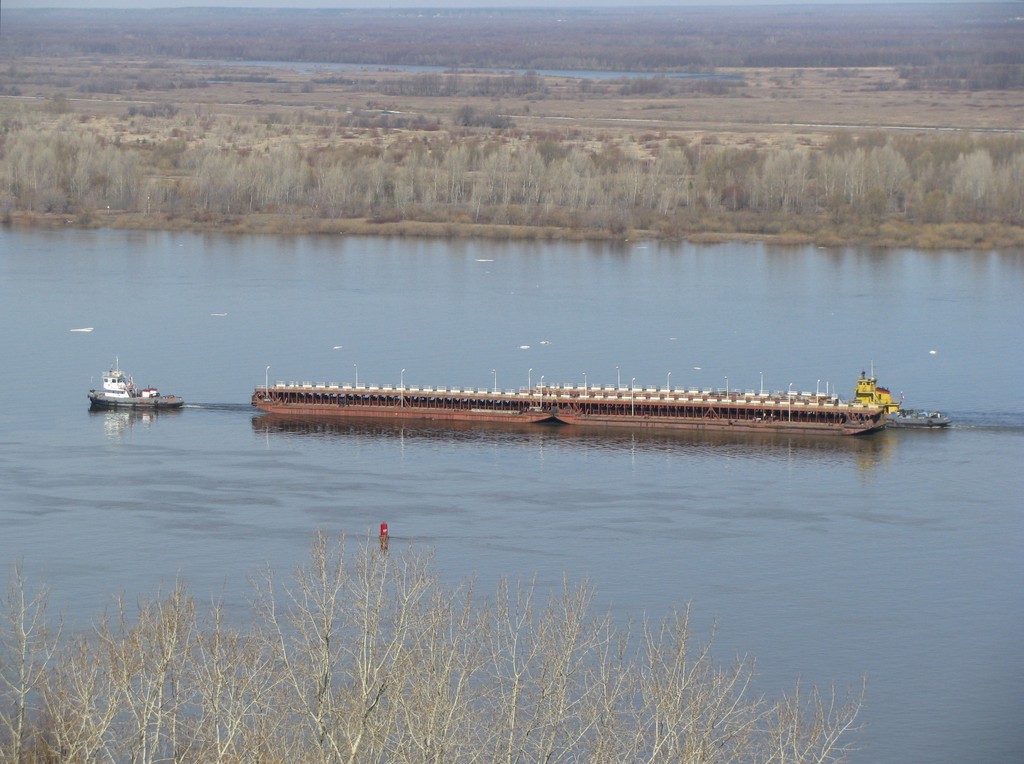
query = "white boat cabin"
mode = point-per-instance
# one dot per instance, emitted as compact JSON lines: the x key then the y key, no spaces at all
{"x":117,"y":385}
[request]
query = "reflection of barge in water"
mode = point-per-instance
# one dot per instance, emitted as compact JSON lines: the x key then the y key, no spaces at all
{"x":768,"y":445}
{"x":586,"y":406}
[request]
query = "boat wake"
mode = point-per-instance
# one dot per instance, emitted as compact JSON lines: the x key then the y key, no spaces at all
{"x":995,"y":421}
{"x":220,"y":406}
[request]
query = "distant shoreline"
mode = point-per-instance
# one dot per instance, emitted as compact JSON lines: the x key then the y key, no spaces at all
{"x":952,"y":237}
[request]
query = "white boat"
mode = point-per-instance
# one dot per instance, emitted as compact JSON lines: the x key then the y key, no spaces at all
{"x":120,"y":392}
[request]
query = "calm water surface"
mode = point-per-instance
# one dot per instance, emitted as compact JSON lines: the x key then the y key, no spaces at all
{"x":896,"y":557}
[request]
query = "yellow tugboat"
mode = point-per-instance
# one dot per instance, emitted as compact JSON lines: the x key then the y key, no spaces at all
{"x":869,"y":393}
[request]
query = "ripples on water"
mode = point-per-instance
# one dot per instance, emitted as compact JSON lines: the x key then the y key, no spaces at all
{"x":896,"y":556}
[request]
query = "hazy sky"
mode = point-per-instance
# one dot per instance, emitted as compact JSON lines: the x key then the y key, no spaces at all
{"x":415,"y":3}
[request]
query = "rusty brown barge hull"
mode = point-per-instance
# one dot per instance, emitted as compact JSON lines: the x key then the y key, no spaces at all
{"x":586,"y":407}
{"x":737,"y":421}
{"x":717,"y":410}
{"x":388,"y":403}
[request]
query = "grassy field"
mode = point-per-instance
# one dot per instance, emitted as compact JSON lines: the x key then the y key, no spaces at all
{"x":772,"y":106}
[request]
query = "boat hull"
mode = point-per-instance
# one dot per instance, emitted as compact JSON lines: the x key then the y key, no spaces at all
{"x":403,"y":412}
{"x":718,"y":425}
{"x":918,"y":420}
{"x":100,"y":402}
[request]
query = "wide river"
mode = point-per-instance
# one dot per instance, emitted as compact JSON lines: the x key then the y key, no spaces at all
{"x":898,"y":557}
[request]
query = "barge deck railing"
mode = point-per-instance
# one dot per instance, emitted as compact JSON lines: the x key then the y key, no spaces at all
{"x":575,"y":393}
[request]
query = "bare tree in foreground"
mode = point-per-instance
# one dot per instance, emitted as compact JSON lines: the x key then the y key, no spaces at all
{"x":367,"y":657}
{"x":26,"y":646}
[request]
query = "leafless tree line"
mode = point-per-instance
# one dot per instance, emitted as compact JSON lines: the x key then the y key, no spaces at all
{"x":368,"y":657}
{"x":660,"y":185}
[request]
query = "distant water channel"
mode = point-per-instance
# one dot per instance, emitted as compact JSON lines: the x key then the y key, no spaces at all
{"x":896,"y":557}
{"x":581,"y":74}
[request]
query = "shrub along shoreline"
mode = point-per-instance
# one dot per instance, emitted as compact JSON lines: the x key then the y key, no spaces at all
{"x":890,"y":235}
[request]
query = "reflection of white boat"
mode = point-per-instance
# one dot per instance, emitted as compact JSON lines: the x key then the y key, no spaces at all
{"x":120,"y":392}
{"x":117,"y":423}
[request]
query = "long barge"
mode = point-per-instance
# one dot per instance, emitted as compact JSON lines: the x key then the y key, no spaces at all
{"x":586,"y":406}
{"x":717,"y":410}
{"x":451,"y":404}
